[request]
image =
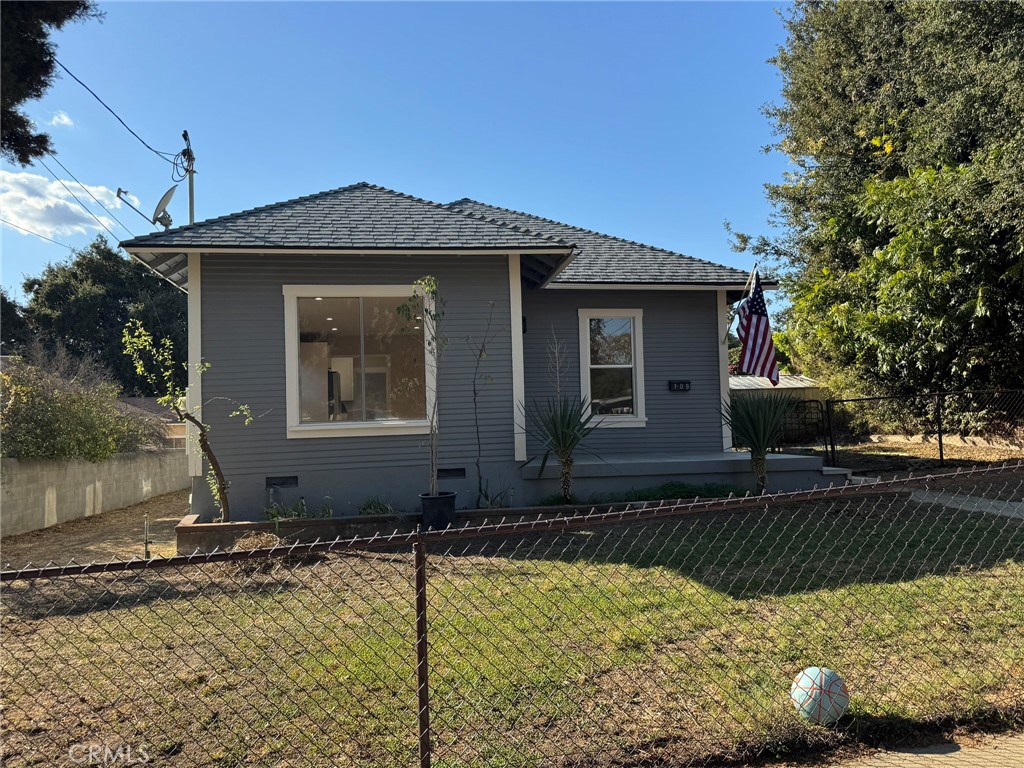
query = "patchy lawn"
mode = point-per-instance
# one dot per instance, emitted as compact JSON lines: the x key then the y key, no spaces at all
{"x":895,"y":456}
{"x":114,"y":535}
{"x":665,"y":643}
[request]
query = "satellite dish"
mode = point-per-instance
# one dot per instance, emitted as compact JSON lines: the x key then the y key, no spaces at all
{"x":160,"y":215}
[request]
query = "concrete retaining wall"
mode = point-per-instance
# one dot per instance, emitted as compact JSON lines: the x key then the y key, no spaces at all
{"x":37,"y":494}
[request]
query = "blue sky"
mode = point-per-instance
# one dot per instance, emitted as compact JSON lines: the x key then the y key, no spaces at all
{"x":639,"y":120}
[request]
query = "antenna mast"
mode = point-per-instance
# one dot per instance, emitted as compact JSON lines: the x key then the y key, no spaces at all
{"x":188,"y":160}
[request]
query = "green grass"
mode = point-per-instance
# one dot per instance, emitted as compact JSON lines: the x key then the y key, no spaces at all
{"x":674,"y":640}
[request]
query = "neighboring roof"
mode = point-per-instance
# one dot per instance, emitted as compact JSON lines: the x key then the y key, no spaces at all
{"x":786,"y":381}
{"x":605,"y":259}
{"x":150,"y":406}
{"x":360,"y":216}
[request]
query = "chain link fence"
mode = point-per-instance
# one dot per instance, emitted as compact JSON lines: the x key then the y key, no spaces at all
{"x":927,"y":431}
{"x":664,"y":635}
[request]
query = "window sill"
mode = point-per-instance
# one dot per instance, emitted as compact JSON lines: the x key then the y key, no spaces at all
{"x":620,"y":422}
{"x":360,"y":429}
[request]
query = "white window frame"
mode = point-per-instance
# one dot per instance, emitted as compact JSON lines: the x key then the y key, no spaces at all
{"x":295,"y":427}
{"x":639,"y":417}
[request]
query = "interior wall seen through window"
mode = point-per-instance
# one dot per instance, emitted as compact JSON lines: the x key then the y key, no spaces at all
{"x":359,"y":360}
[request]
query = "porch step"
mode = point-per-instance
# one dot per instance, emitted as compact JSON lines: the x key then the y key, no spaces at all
{"x":858,"y":480}
{"x":848,"y":476}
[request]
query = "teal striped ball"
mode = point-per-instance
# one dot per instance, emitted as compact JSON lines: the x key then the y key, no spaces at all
{"x":819,"y":695}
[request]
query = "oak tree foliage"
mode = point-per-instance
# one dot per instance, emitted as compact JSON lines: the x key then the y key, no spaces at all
{"x":903,"y":216}
{"x":27,"y":68}
{"x":84,"y":304}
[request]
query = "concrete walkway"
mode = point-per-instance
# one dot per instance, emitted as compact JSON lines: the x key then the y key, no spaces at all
{"x":979,"y":752}
{"x":971,"y":504}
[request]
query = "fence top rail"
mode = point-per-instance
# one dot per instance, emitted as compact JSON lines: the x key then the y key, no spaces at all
{"x":926,"y":394}
{"x":641,"y":512}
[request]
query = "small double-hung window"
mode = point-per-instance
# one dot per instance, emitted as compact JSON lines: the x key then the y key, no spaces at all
{"x":611,"y":365}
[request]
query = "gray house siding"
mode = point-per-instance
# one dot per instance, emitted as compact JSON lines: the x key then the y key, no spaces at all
{"x":680,"y":341}
{"x":243,"y":341}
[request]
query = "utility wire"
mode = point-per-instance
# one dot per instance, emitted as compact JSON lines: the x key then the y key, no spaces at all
{"x":90,"y":194}
{"x":84,"y":206}
{"x":165,"y":156}
{"x":41,"y":237}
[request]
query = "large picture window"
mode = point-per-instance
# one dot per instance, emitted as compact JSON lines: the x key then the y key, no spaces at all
{"x":611,"y":364}
{"x":355,"y":364}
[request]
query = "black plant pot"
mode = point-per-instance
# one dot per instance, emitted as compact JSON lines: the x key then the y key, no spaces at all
{"x":439,"y":510}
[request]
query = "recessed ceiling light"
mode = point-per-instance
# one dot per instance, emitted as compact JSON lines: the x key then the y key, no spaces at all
{"x":319,"y":298}
{"x":334,"y":329}
{"x":415,"y":327}
{"x":330,"y":318}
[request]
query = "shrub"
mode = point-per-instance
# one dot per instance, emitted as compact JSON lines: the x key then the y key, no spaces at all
{"x":560,"y":425}
{"x":298,"y":510}
{"x":377,"y":505}
{"x":58,"y":407}
{"x":757,"y":424}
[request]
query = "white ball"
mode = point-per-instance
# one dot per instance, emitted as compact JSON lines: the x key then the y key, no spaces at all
{"x":819,"y":695}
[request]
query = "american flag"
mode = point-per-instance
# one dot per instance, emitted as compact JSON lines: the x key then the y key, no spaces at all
{"x":758,"y":357}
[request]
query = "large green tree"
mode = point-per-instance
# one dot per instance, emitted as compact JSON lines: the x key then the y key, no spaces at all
{"x":85,"y":303}
{"x":903,"y":216}
{"x":15,"y":332}
{"x":27,"y":68}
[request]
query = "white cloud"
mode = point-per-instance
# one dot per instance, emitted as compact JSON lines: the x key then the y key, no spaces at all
{"x":62,"y":118}
{"x":44,"y":206}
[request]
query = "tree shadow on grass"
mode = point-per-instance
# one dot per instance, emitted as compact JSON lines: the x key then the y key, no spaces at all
{"x":800,"y":745}
{"x":782,"y":549}
{"x":79,"y":595}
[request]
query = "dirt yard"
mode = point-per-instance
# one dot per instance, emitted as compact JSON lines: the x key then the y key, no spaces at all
{"x":114,"y":535}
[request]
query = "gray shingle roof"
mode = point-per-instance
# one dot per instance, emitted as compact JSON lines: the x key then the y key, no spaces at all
{"x":606,"y":259}
{"x":358,"y":216}
{"x":367,"y":217}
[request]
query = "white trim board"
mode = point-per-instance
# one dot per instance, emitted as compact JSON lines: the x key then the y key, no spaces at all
{"x":257,"y":251}
{"x":194,"y":391}
{"x":646,"y":287}
{"x":639,"y":417}
{"x":723,"y":365}
{"x":515,"y":296}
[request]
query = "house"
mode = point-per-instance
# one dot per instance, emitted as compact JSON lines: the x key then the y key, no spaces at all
{"x":295,"y":306}
{"x":173,"y":430}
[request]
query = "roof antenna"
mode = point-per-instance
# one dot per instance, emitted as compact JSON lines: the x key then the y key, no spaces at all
{"x":160,"y":214}
{"x":188,"y":160}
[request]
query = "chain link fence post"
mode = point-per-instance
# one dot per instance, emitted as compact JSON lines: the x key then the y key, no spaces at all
{"x":419,"y":549}
{"x":939,"y":398}
{"x":830,"y":439}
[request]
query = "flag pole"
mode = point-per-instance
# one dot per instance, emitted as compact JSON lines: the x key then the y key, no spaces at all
{"x":746,"y":289}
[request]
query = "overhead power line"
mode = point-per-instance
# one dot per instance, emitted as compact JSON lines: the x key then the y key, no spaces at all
{"x":165,"y":156}
{"x":90,"y":194}
{"x":77,"y":200}
{"x":41,"y":237}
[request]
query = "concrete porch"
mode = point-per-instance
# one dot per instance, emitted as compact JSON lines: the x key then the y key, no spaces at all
{"x":618,"y":474}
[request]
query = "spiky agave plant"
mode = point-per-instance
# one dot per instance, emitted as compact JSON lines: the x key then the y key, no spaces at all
{"x":561,"y":424}
{"x":757,"y":424}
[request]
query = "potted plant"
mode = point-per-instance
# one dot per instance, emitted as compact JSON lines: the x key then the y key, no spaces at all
{"x":426,"y":306}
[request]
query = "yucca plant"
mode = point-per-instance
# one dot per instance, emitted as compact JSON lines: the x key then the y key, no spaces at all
{"x":757,"y":424}
{"x":561,"y":424}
